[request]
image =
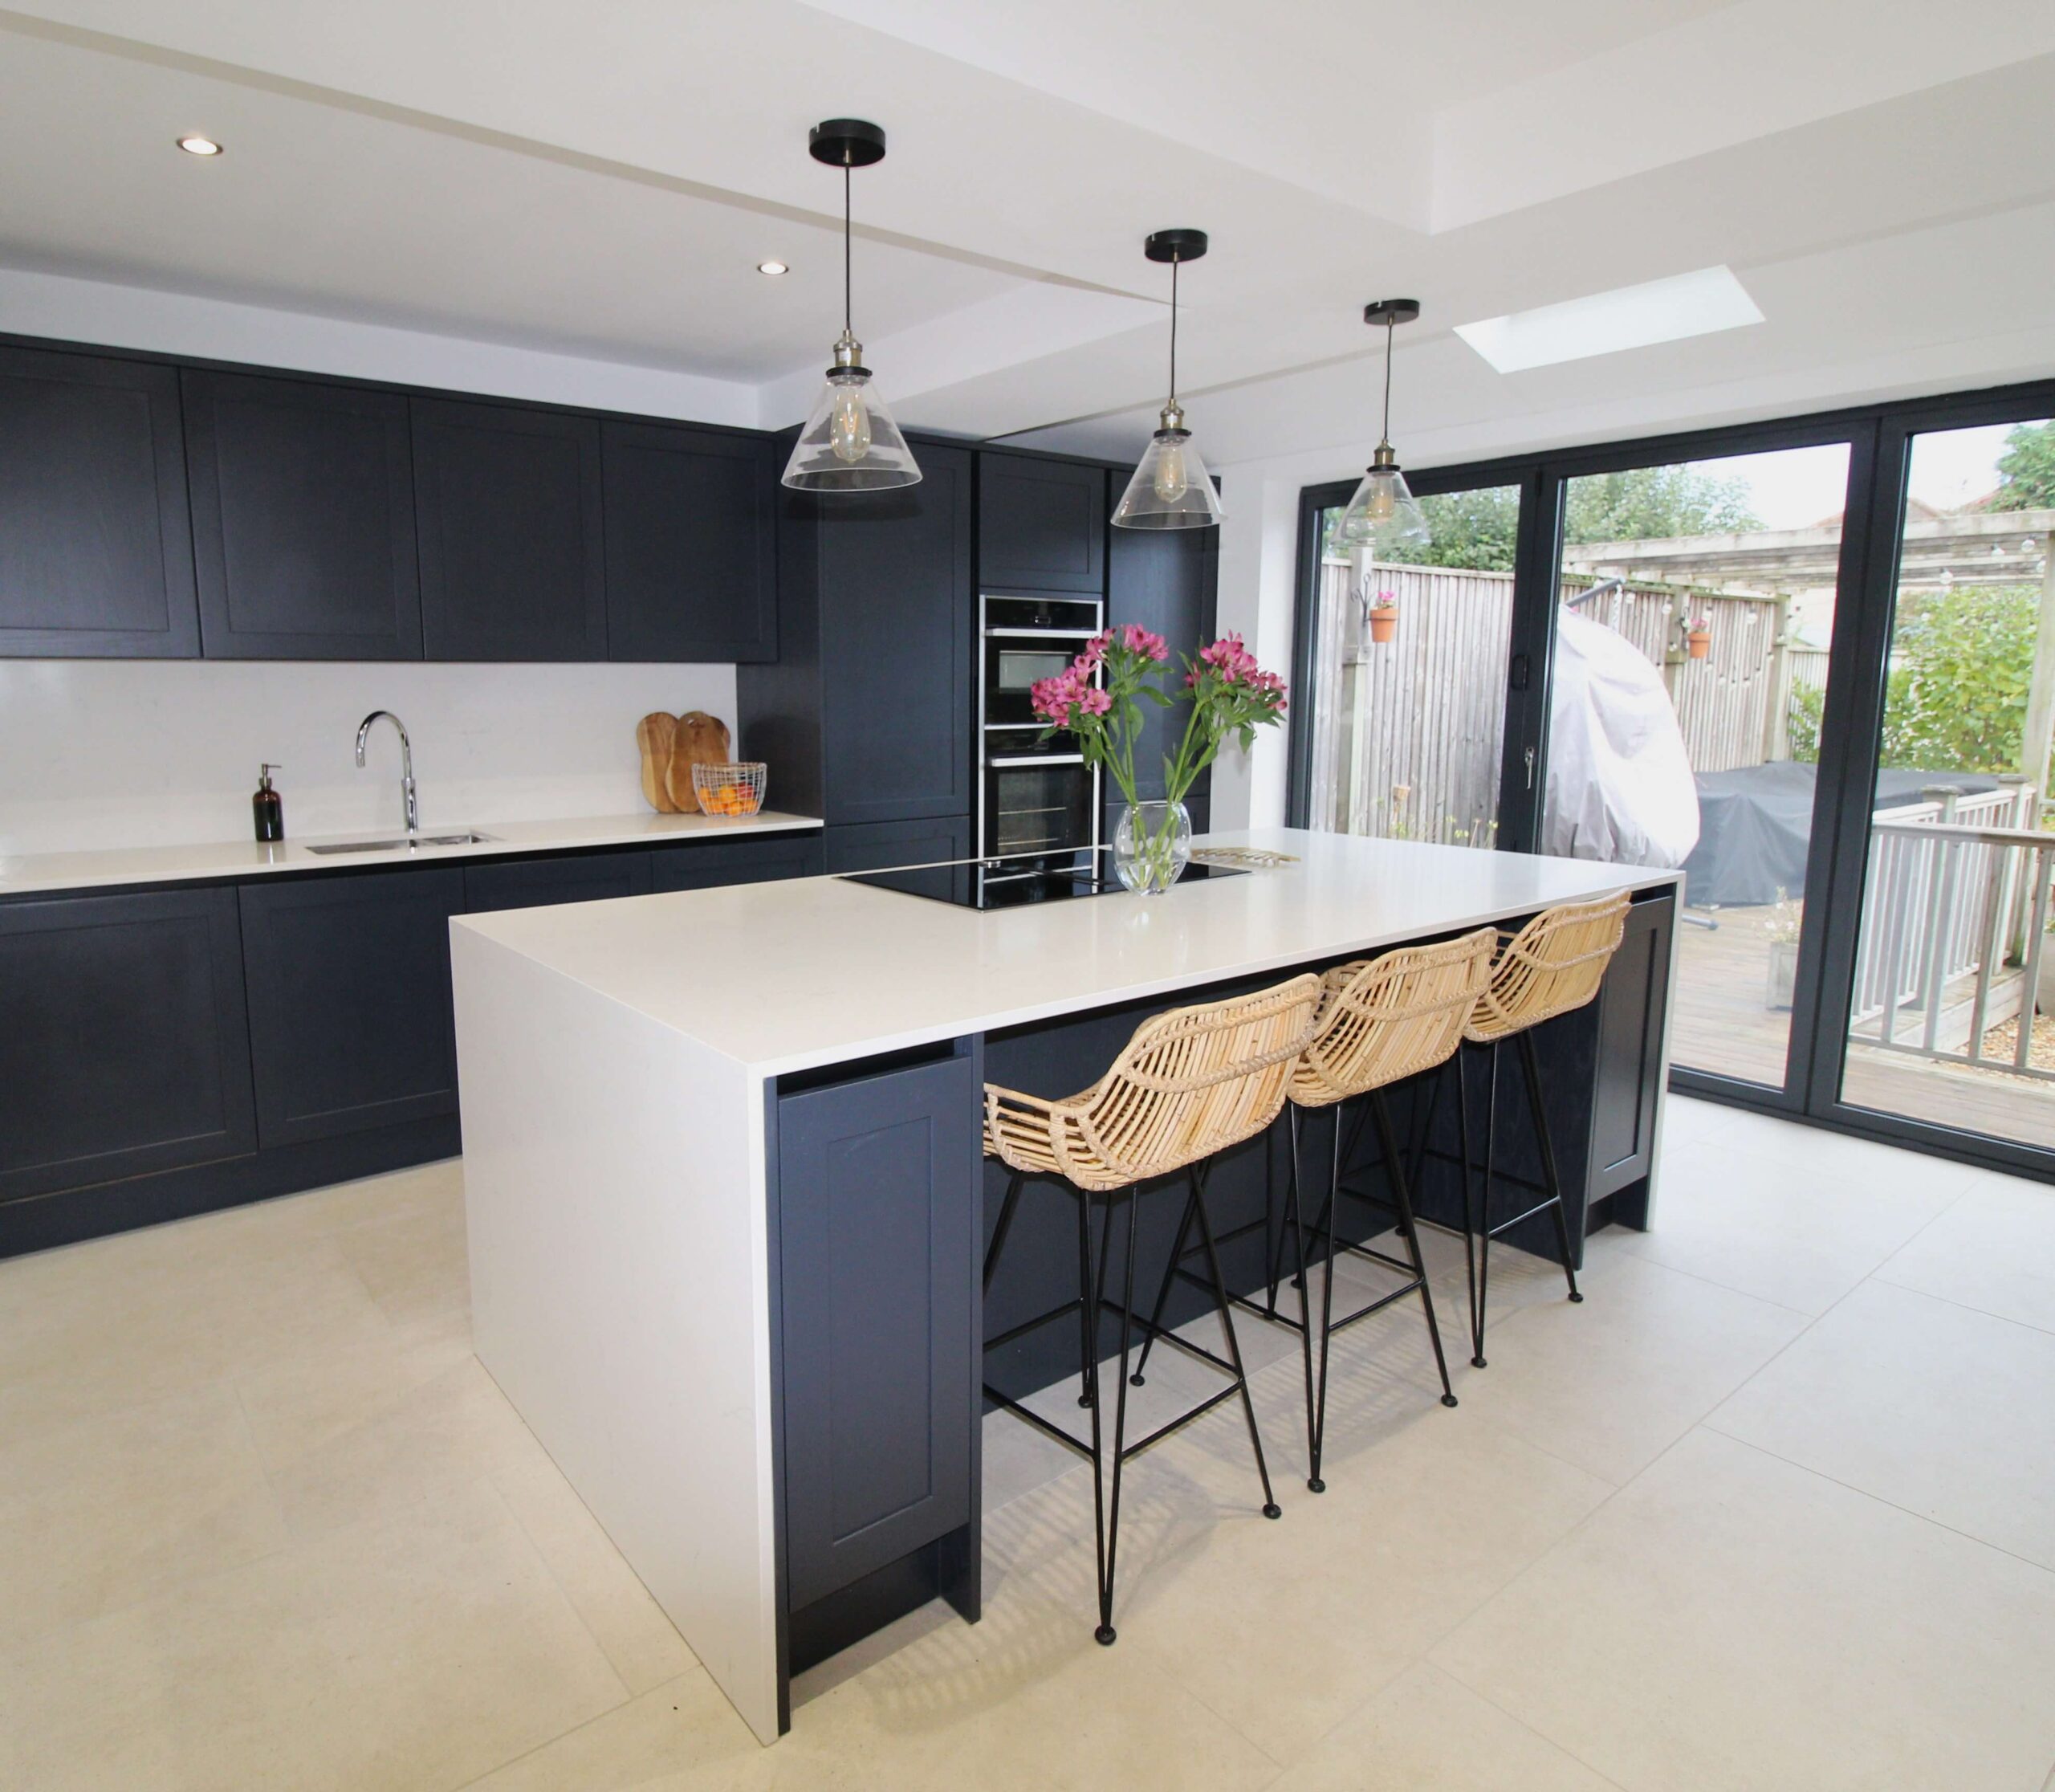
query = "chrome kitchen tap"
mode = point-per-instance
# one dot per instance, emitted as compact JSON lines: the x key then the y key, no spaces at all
{"x":406,"y":762}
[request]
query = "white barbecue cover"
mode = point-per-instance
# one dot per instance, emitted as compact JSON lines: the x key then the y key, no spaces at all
{"x":1620,"y":787}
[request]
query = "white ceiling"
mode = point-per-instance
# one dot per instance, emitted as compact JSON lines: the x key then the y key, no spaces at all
{"x":602,"y":180}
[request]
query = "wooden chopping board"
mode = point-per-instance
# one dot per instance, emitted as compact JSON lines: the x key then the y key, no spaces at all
{"x":654,"y":735}
{"x":698,"y":740}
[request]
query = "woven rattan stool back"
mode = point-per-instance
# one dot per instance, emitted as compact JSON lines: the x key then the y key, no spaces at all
{"x":1384,"y":1019}
{"x":1190,"y":1082}
{"x":1554,"y":964}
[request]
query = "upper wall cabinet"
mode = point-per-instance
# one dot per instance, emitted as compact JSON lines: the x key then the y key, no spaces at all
{"x":691,"y":522}
{"x":1165,"y":580}
{"x":95,"y":557}
{"x":512,"y":566}
{"x":1041,"y":525}
{"x":302,"y":518}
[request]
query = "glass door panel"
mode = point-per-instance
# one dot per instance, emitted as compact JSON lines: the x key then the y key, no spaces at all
{"x":1696,"y":608}
{"x":1944,"y":1024}
{"x":1410,"y":676}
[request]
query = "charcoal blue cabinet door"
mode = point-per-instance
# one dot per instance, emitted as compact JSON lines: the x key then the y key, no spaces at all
{"x":512,"y":562}
{"x":123,"y":1048}
{"x":878,"y":1225}
{"x":350,"y":1013}
{"x":302,"y":518}
{"x":95,"y":543}
{"x":738,"y":862}
{"x":538,"y":883}
{"x":1632,"y":1002}
{"x":1041,"y":525}
{"x":875,"y":846}
{"x":895,"y":597}
{"x":691,"y":544}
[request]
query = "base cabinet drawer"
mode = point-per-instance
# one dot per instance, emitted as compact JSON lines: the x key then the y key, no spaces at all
{"x":350,"y":1017}
{"x":878,"y":845}
{"x":879,"y":1225}
{"x":539,"y":883}
{"x":737,"y":861}
{"x":123,"y":1047}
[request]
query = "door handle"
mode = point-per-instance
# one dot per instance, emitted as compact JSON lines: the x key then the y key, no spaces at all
{"x":1530,"y":768}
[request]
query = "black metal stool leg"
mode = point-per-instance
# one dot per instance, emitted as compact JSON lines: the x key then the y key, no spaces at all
{"x":1090,"y":1393}
{"x":1004,"y":1226}
{"x":1110,"y":1529}
{"x":1484,"y":1213}
{"x":1326,"y":1310}
{"x":1531,"y":1065}
{"x":1305,"y":1314}
{"x":1270,"y":1506}
{"x":1411,"y":1233}
{"x":1163,"y":1294}
{"x":1469,"y":1221}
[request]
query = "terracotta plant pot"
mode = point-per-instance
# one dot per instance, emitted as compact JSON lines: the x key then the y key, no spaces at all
{"x":1699,"y":642}
{"x":1384,"y":623}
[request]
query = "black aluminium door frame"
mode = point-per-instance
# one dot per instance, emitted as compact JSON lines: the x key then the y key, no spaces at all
{"x":1878,"y":437}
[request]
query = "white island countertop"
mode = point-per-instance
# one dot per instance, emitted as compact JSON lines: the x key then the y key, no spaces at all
{"x":789,"y":976}
{"x":38,"y":874}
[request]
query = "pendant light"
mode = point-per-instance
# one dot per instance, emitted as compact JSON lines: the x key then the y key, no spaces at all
{"x":850,"y":442}
{"x":1384,"y":514}
{"x":1171,"y":488}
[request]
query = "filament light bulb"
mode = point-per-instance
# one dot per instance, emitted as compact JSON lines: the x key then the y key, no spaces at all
{"x":848,"y":424}
{"x":1171,"y":482}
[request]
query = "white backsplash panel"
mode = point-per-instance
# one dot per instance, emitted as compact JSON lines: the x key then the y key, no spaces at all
{"x":112,"y":753}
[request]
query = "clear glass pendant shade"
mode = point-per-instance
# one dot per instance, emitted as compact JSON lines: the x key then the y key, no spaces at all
{"x":1171,"y":488}
{"x":1383,"y":514}
{"x":850,"y":442}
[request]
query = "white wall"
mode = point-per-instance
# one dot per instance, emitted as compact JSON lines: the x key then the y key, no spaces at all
{"x":118,"y":753}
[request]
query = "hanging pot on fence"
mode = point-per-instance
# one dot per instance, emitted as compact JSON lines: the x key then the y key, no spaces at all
{"x":1699,"y":642}
{"x":1384,"y":621}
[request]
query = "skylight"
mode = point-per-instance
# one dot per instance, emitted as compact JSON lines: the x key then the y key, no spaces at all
{"x":1627,"y":317}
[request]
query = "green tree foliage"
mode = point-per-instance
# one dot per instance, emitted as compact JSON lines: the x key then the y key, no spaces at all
{"x":1476,"y":530}
{"x":1961,"y":661}
{"x":2026,"y":469}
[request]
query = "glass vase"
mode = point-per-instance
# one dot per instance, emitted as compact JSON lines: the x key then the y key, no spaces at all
{"x":1152,"y":846}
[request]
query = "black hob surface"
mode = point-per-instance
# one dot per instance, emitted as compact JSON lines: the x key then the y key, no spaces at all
{"x":1001,"y":883}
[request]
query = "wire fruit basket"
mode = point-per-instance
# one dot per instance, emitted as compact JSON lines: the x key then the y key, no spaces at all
{"x":732,"y":789}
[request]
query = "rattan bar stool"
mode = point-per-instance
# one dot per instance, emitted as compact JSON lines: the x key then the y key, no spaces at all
{"x":1381,"y":1021}
{"x":1554,"y":964}
{"x":1190,"y":1084}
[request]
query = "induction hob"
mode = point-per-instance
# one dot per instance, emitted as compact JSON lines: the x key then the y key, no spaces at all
{"x":1004,"y":883}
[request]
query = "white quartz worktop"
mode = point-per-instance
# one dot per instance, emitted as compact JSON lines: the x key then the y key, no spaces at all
{"x":42,"y":872}
{"x":784,"y":976}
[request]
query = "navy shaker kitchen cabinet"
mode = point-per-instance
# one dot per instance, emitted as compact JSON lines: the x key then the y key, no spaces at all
{"x":539,"y":883}
{"x":878,"y":1226}
{"x":123,"y":1045}
{"x":350,"y":1015}
{"x":866,"y":716}
{"x":1166,"y":581}
{"x":508,"y":503}
{"x":875,"y":845}
{"x":302,"y":518}
{"x":691,"y":544}
{"x":1041,"y":525}
{"x":1627,"y":1089}
{"x":736,"y":862}
{"x":95,"y":543}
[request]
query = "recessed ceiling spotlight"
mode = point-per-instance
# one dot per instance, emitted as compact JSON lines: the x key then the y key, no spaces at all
{"x":772,"y":267}
{"x":195,"y":144}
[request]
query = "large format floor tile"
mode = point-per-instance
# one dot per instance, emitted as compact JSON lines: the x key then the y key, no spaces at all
{"x":1942,"y":1410}
{"x":1994,"y":1250}
{"x":1733,"y":1621}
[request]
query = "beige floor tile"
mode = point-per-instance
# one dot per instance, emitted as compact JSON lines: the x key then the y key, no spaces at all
{"x":641,"y":1643}
{"x":432,"y":1440}
{"x":1938,"y":1408}
{"x":101,"y":1514}
{"x":1849,"y":1162}
{"x":1732,"y":1621}
{"x":1994,"y":1250}
{"x":1800,"y":1234}
{"x":1613,"y":1382}
{"x":1427,"y":1732}
{"x":413,"y":1654}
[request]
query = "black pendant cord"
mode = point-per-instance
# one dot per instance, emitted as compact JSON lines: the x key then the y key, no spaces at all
{"x":1390,"y":325}
{"x":1173,"y":332}
{"x":847,"y":313}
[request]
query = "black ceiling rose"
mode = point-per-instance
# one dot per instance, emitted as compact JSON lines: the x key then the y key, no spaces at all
{"x":846,"y":142}
{"x":1174,"y":246}
{"x":1391,"y":311}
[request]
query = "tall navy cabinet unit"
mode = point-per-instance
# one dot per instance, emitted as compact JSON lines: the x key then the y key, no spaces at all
{"x":866,"y":716}
{"x":1041,"y":525}
{"x":1166,"y":581}
{"x":95,"y":555}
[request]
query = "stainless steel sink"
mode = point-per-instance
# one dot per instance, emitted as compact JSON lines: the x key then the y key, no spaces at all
{"x":411,"y":842}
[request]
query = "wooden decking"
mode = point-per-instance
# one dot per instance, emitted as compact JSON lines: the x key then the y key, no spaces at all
{"x":1723,"y":1023}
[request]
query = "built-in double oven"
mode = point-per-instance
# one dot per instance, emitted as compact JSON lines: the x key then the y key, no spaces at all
{"x":1036,"y":798}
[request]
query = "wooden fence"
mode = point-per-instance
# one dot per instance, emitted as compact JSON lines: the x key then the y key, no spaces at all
{"x":1408,"y":733}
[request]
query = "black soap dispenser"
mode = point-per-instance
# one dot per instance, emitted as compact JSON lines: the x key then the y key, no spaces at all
{"x":268,"y":807}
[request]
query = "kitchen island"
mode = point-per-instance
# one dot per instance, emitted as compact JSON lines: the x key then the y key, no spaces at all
{"x":726,"y":1204}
